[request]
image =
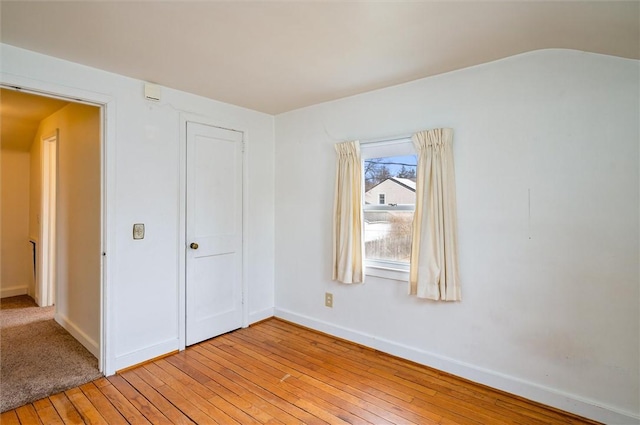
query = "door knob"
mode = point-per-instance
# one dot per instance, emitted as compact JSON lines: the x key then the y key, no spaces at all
{"x":193,"y":245}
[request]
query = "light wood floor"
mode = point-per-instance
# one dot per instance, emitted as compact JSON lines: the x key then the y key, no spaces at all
{"x":278,"y":373}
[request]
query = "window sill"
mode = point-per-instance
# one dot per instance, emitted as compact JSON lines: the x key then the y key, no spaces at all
{"x":387,"y":273}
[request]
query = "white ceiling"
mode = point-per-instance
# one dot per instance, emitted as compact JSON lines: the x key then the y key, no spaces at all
{"x":278,"y":56}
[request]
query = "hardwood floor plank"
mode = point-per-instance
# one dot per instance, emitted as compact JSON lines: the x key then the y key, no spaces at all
{"x":211,"y":396}
{"x":459,"y":389}
{"x":46,"y":412}
{"x":416,"y":390}
{"x":278,"y":373}
{"x":192,"y":394}
{"x":396,"y":407}
{"x":426,"y":417}
{"x":176,"y":398}
{"x":531,"y":413}
{"x":267,"y":389}
{"x":362,"y":357}
{"x":255,"y":395}
{"x":328,"y":384}
{"x":139,"y":401}
{"x":479,"y":401}
{"x":9,"y":418}
{"x":274,"y":368}
{"x":84,"y":407}
{"x":158,"y":401}
{"x":384,"y":390}
{"x":339,"y":407}
{"x":320,"y":413}
{"x":67,"y":411}
{"x":120,"y":402}
{"x":103,"y":405}
{"x":101,"y":382}
{"x":320,"y":357}
{"x":228,"y":395}
{"x":363,"y":368}
{"x":459,"y":413}
{"x":380,"y":415}
{"x":267,"y":373}
{"x":327,"y":342}
{"x":28,"y":415}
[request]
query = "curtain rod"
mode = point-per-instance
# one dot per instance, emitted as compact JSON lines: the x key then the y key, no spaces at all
{"x":388,"y":141}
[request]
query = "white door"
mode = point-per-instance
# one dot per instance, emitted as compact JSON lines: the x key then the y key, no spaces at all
{"x":46,"y":290}
{"x":214,"y":232}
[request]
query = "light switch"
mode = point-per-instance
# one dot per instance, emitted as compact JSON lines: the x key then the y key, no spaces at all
{"x":138,"y":231}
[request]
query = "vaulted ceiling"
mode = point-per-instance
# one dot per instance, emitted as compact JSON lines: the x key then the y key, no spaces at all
{"x":278,"y":56}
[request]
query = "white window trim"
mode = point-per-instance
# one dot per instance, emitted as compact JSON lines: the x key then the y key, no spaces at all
{"x":382,"y":148}
{"x":380,"y":207}
{"x":392,"y":273}
{"x":378,"y":149}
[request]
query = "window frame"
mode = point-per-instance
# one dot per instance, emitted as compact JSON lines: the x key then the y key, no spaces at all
{"x":393,"y":270}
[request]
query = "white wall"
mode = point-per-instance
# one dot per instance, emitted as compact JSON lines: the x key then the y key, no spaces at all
{"x":550,"y":305}
{"x":144,"y":186}
{"x":17,"y":260}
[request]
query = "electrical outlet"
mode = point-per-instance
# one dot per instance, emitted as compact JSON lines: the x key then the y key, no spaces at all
{"x":138,"y":231}
{"x":328,"y":299}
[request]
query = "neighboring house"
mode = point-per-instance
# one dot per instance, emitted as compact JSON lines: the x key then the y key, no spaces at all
{"x":394,"y":190}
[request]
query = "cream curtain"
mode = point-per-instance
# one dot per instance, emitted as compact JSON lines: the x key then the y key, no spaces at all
{"x":434,"y":249}
{"x":348,"y":243}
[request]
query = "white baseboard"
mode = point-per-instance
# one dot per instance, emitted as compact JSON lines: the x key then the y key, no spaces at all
{"x":13,"y":291}
{"x":84,"y":339}
{"x":548,"y":396}
{"x":145,"y":354}
{"x":257,"y":316}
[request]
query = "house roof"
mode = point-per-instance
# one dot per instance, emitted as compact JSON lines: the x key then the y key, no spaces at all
{"x":278,"y":56}
{"x":409,"y":184}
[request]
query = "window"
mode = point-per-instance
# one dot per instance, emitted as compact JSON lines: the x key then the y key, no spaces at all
{"x":389,"y":202}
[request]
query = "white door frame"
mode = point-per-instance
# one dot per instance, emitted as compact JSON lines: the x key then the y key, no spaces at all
{"x":45,"y":293}
{"x":182,"y":256}
{"x":107,"y":105}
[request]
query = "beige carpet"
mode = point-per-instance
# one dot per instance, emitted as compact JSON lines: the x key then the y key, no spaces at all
{"x":38,"y":357}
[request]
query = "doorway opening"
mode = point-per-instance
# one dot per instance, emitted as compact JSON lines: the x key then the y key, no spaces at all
{"x":52,"y":221}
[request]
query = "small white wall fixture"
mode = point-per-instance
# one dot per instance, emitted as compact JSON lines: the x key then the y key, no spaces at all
{"x":45,"y":293}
